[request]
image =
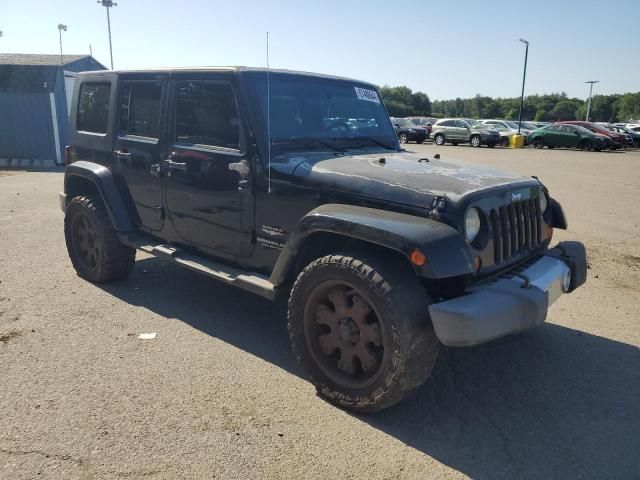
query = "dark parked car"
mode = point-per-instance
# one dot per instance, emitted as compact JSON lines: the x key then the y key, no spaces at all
{"x":633,"y":138}
{"x":617,"y":140}
{"x":380,"y":254}
{"x":425,"y":122}
{"x":568,"y":136}
{"x":407,"y":131}
{"x":457,"y":130}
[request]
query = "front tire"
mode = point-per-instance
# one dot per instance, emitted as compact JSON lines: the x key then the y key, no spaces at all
{"x":439,"y":139}
{"x":360,"y":329}
{"x":402,"y":138}
{"x":538,"y":143}
{"x":585,"y":145}
{"x":475,"y":141}
{"x":94,"y":248}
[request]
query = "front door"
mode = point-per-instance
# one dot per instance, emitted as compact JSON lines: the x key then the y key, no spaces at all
{"x":138,"y":146}
{"x":206,"y":170}
{"x":569,"y":136}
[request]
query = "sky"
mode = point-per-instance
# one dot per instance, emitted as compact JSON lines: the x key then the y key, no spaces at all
{"x":445,"y":49}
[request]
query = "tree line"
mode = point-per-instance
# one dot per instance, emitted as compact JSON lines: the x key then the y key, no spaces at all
{"x":403,"y":102}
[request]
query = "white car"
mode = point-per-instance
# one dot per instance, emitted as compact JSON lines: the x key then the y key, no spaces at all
{"x":508,"y":125}
{"x":631,"y":126}
{"x":506,"y":130}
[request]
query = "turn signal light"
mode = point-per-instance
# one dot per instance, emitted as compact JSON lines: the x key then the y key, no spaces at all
{"x":477,"y":264}
{"x":418,"y":258}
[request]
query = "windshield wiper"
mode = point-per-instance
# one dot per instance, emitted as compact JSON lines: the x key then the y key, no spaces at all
{"x":372,"y":140}
{"x":319,"y":141}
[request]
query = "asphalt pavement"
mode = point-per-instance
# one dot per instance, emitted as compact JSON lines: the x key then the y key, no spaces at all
{"x":217,"y":393}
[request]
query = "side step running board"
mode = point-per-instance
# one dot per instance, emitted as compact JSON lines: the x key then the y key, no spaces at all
{"x":252,"y":282}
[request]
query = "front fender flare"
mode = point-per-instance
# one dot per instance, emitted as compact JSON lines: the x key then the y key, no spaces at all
{"x":105,"y":183}
{"x":445,"y":249}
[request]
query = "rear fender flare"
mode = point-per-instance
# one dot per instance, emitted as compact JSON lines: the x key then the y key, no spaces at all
{"x":105,"y":183}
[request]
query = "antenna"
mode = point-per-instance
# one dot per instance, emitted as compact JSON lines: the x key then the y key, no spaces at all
{"x":268,"y":119}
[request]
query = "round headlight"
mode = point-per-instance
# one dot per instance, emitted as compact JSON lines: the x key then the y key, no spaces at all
{"x":544,"y":203}
{"x":472,"y":224}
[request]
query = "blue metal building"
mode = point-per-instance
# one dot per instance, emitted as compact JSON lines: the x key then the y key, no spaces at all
{"x":35,"y":95}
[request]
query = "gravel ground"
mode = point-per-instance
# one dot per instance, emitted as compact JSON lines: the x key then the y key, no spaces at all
{"x":217,"y":393}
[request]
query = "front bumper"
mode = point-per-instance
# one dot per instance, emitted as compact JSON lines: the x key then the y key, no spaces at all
{"x":513,"y":302}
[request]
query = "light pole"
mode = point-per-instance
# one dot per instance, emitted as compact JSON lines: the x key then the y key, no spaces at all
{"x":108,"y":4}
{"x":524,"y":76}
{"x":61,"y":28}
{"x":590,"y":82}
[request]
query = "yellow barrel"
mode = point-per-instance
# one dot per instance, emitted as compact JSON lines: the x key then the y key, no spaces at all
{"x":516,"y":141}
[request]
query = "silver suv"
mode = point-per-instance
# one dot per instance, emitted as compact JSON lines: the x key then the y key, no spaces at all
{"x":456,"y":130}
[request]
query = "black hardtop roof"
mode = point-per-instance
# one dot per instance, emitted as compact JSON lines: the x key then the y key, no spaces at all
{"x":231,"y":69}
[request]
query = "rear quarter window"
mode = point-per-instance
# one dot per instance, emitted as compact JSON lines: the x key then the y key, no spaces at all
{"x":93,"y":107}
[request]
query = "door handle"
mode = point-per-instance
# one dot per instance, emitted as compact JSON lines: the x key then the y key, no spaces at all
{"x":122,"y":155}
{"x":175,"y":165}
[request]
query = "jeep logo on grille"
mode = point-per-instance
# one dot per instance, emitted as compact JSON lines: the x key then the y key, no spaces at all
{"x":516,"y":196}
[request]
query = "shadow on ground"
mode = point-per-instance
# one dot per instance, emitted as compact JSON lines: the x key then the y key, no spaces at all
{"x":552,"y":403}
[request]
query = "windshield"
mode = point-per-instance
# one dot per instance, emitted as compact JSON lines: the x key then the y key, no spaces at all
{"x":498,"y":126}
{"x":403,"y":122}
{"x":304,"y":108}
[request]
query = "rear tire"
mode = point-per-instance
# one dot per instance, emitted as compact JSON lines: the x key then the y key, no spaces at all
{"x":475,"y":141}
{"x":402,"y":138}
{"x":504,"y":142}
{"x":439,"y":139}
{"x":360,"y":329}
{"x":585,"y":145}
{"x":94,"y":248}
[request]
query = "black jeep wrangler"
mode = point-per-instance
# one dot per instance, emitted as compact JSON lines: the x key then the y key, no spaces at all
{"x":294,"y":184}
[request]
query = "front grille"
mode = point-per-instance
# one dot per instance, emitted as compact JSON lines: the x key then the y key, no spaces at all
{"x":516,"y":228}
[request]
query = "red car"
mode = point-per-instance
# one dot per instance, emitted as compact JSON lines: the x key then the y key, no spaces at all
{"x":617,"y":140}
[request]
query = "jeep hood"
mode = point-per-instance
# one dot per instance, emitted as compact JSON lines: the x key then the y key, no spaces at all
{"x":402,"y":177}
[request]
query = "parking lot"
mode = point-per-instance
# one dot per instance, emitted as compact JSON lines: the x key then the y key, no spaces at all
{"x":217,"y":393}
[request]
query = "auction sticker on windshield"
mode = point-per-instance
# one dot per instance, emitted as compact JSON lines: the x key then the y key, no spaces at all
{"x":367,"y":95}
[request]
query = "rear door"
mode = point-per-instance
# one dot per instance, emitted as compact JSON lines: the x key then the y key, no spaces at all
{"x":463,"y":131}
{"x":206,"y":170}
{"x":553,"y":136}
{"x":138,"y":148}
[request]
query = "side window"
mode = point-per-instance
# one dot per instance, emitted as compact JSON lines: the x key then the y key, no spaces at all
{"x":139,"y":109}
{"x":446,"y":123}
{"x":93,"y":107}
{"x":461,"y":124}
{"x":206,"y":114}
